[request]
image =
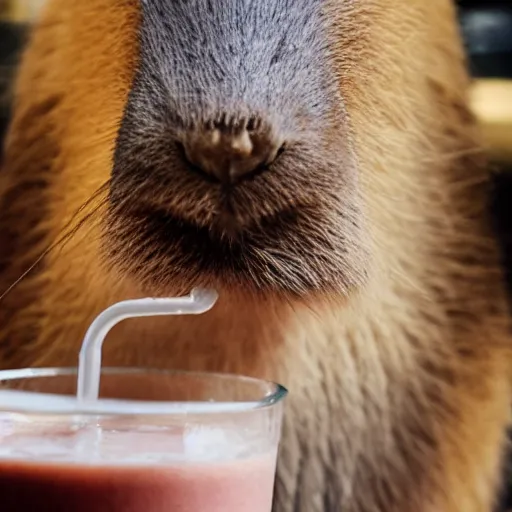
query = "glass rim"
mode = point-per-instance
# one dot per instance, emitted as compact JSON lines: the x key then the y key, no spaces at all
{"x":24,"y":402}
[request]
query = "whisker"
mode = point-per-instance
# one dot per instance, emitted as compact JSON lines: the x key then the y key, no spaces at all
{"x":99,"y":191}
{"x":69,"y":231}
{"x":69,"y":236}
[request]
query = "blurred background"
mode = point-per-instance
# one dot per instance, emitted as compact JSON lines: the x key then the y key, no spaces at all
{"x":20,"y":9}
{"x":486,"y":27}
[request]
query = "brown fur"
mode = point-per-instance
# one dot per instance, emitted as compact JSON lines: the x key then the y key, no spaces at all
{"x":399,"y":392}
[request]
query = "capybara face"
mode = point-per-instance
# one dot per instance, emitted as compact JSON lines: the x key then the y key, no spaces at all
{"x":233,"y":164}
{"x":278,"y":147}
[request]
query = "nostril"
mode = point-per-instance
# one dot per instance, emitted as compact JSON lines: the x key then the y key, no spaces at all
{"x":251,"y":124}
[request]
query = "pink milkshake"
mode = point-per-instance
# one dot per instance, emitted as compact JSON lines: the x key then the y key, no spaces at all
{"x":189,"y":443}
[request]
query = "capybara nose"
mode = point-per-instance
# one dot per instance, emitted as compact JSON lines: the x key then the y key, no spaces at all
{"x":230,"y":151}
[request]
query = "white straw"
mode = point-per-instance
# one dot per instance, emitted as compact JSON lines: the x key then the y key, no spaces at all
{"x":89,"y":368}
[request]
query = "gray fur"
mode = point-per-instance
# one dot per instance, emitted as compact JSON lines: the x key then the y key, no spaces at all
{"x":293,"y":228}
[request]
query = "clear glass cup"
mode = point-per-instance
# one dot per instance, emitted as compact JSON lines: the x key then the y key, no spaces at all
{"x":155,"y":441}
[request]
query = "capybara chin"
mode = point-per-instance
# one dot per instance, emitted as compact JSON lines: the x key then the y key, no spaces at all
{"x":316,"y":162}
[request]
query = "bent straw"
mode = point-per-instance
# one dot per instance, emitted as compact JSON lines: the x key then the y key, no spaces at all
{"x":89,"y":367}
